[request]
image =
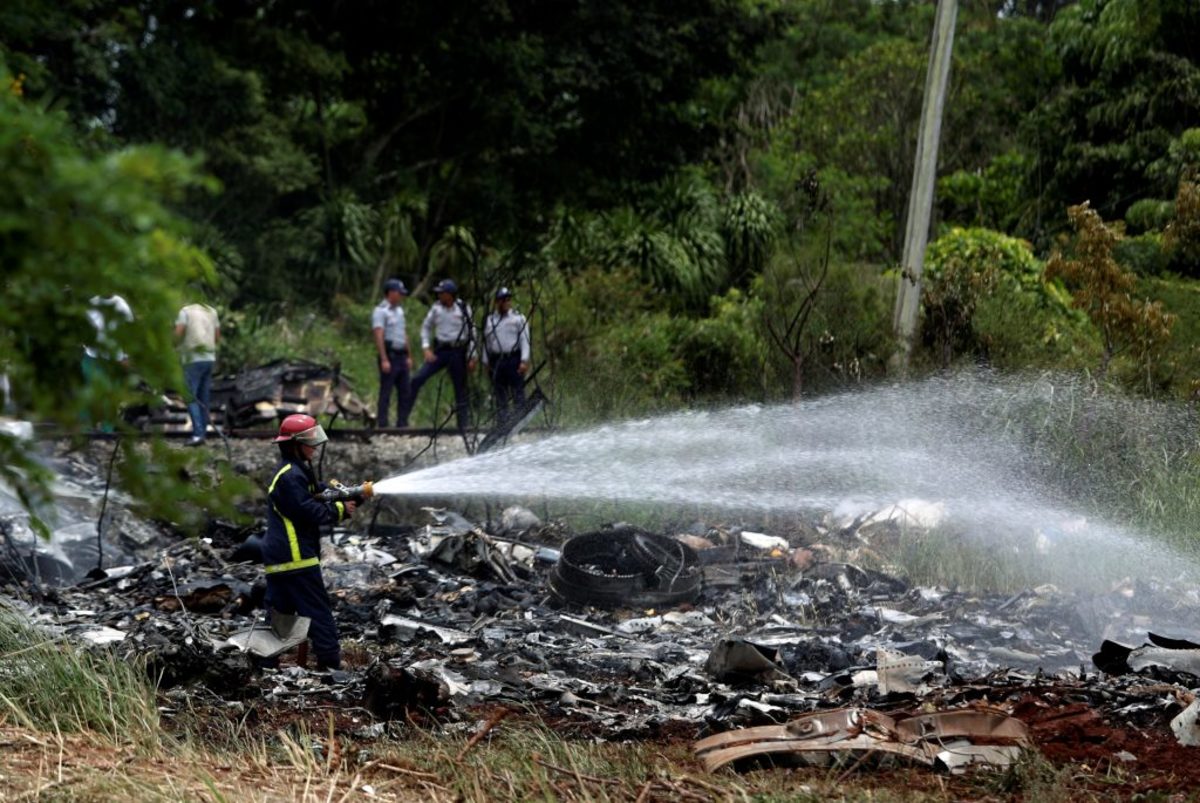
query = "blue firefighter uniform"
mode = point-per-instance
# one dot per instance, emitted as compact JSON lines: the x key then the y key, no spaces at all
{"x":292,"y":555}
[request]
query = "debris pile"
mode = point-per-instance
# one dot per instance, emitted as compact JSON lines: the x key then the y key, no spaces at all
{"x":761,"y":646}
{"x":258,"y":398}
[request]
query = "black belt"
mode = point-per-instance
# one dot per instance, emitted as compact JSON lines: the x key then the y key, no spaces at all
{"x":444,"y":346}
{"x":500,"y":355}
{"x":403,"y":349}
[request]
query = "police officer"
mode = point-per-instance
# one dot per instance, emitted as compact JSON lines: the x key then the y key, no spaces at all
{"x":291,"y":549}
{"x":506,"y":355}
{"x":447,"y":341}
{"x":395,"y":358}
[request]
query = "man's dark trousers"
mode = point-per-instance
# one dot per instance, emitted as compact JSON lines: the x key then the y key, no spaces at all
{"x":454,"y":360}
{"x":303,"y":592}
{"x":507,"y":384}
{"x":396,"y":378}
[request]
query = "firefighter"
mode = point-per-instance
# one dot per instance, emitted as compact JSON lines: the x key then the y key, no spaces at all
{"x":291,"y":548}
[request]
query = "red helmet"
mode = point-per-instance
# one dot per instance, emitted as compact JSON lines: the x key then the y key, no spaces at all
{"x":302,"y":429}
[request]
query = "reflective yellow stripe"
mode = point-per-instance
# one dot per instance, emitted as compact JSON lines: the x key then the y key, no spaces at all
{"x":278,"y":474}
{"x":293,"y":543}
{"x":341,"y":509}
{"x":296,"y":564}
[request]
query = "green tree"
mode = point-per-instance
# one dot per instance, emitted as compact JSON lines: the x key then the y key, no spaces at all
{"x":73,"y":227}
{"x":976,"y":280}
{"x":1130,"y":87}
{"x":1104,"y":290}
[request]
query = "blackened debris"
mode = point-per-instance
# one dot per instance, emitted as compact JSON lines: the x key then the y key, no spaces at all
{"x":626,"y":567}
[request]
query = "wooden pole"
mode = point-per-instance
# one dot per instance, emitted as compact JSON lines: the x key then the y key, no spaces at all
{"x":920,"y":199}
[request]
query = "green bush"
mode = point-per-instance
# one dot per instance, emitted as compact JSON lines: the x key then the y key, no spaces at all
{"x":854,"y":313}
{"x":609,"y":352}
{"x":1149,"y":214}
{"x":723,"y":354}
{"x":990,"y":197}
{"x":985,"y":294}
{"x":1181,"y":354}
{"x":840,"y":321}
{"x":1143,"y":254}
{"x":1016,"y":330}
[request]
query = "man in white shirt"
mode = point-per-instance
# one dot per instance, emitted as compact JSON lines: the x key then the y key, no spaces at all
{"x":198,"y":331}
{"x":448,"y":341}
{"x":395,"y":358}
{"x":506,"y":355}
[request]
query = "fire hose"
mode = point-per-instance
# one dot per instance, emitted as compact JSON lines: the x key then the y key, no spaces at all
{"x":339,"y":492}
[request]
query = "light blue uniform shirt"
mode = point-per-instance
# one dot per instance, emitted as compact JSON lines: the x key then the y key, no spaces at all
{"x":448,"y":326}
{"x":391,"y":320}
{"x":506,"y":334}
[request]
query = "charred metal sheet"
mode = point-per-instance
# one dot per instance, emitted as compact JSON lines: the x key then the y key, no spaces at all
{"x":898,"y":672}
{"x":1185,"y":725}
{"x":401,"y":627}
{"x":625,"y":567}
{"x":1161,"y":655}
{"x":741,"y":661}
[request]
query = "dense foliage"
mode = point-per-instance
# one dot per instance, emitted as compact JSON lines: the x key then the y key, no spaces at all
{"x":694,"y":201}
{"x":75,"y":228}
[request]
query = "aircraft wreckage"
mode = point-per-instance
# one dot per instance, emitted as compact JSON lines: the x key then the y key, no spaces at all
{"x":776,"y":649}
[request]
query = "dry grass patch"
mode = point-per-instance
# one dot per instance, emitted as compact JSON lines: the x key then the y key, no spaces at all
{"x":515,"y":760}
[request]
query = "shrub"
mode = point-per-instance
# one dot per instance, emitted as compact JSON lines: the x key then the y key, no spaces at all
{"x":723,"y":354}
{"x":990,"y":197}
{"x":1133,"y":327}
{"x":969,"y":268}
{"x":1143,"y":254}
{"x":1149,"y":214}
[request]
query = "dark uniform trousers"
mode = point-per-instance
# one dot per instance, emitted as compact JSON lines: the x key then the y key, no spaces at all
{"x":396,"y":378}
{"x":454,"y":360}
{"x":303,"y":592}
{"x":508,"y":385}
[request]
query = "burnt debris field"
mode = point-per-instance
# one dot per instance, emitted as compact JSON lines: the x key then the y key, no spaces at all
{"x":784,"y":653}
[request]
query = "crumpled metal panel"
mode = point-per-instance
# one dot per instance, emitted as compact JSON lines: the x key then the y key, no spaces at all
{"x":941,"y":738}
{"x":1162,"y":653}
{"x":268,"y":640}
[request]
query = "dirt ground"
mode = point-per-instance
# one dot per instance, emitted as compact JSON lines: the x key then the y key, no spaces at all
{"x":518,"y":757}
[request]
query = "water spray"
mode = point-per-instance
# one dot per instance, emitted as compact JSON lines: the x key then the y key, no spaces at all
{"x":976,"y":444}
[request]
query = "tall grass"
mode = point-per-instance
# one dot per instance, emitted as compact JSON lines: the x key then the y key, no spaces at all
{"x":1133,"y":460}
{"x":50,"y":686}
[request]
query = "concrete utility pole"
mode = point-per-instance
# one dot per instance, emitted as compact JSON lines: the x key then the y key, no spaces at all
{"x":920,"y":199}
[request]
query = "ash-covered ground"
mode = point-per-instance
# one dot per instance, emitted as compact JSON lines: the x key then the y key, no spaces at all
{"x":717,"y":624}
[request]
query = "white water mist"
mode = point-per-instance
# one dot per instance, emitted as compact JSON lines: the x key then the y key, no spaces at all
{"x":949,"y":440}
